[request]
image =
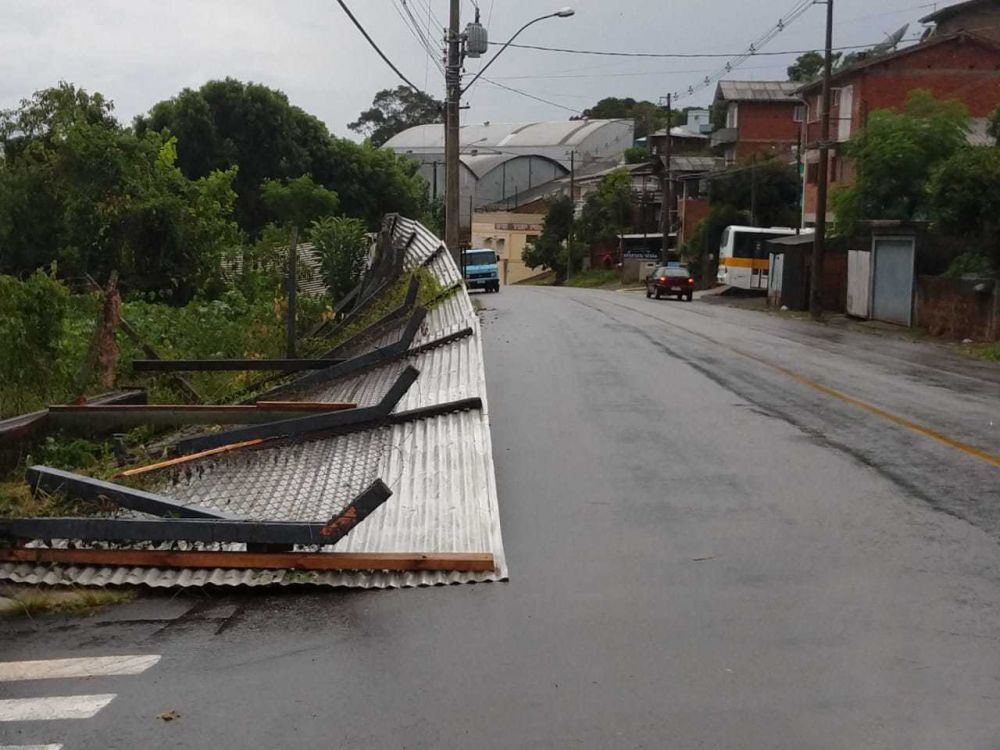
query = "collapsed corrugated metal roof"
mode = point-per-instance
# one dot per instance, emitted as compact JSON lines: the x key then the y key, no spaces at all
{"x":439,"y":468}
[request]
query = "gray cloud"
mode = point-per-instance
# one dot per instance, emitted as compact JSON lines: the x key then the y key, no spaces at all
{"x":137,"y":52}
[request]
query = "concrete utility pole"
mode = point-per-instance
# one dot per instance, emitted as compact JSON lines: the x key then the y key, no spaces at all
{"x":823,"y":173}
{"x":572,"y":218}
{"x":453,"y":83}
{"x":667,"y":185}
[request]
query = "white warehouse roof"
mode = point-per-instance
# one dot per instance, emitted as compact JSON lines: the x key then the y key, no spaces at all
{"x":519,"y":135}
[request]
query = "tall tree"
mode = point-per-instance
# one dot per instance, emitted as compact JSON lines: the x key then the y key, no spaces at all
{"x":549,"y":250}
{"x":229,"y":123}
{"x":767,"y":188}
{"x":607,"y":211}
{"x":895,"y":155}
{"x":808,"y":67}
{"x":395,"y":110}
{"x":648,"y":117}
{"x":295,"y":203}
{"x":79,"y":190}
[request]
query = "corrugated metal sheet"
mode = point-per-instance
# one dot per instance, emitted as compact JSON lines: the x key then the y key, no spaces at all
{"x":757,"y":91}
{"x":440,"y":469}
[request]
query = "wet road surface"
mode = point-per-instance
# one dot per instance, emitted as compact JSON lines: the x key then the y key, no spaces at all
{"x":724,"y":529}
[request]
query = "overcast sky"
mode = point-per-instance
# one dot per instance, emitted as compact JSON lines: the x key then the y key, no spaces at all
{"x":137,"y":52}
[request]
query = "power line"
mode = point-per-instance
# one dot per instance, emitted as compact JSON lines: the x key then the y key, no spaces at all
{"x":375,"y":46}
{"x":413,"y":26}
{"x":530,"y":96}
{"x":680,"y":55}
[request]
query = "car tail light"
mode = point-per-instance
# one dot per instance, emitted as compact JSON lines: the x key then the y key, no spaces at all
{"x":663,"y":279}
{"x":690,"y":280}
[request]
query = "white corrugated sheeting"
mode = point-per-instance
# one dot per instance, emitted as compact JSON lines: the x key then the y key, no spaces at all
{"x":440,"y":469}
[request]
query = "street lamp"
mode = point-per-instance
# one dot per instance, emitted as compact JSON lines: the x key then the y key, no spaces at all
{"x":453,"y":82}
{"x":561,"y":13}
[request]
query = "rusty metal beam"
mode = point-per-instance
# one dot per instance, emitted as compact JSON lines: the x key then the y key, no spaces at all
{"x":205,"y":530}
{"x":54,"y":481}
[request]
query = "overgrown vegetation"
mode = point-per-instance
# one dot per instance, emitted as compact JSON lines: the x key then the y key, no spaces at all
{"x":594,"y":278}
{"x":37,"y":600}
{"x":895,"y":156}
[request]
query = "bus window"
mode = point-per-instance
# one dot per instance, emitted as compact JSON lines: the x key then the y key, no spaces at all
{"x":743,"y":245}
{"x":726,"y":237}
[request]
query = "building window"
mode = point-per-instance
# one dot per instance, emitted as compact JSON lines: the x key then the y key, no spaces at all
{"x":799,"y":115}
{"x":730,"y":155}
{"x":733,"y":115}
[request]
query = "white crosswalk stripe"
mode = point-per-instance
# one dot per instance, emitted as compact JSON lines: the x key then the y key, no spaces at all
{"x":64,"y":707}
{"x":47,"y":709}
{"x":99,"y":666}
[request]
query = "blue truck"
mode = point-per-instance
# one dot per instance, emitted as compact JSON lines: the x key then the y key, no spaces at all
{"x":481,"y":269}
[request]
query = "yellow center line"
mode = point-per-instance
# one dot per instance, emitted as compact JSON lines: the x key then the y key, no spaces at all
{"x":888,"y":416}
{"x":958,"y":445}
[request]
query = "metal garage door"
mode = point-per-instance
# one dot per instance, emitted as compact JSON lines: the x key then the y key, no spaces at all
{"x":892,"y":292}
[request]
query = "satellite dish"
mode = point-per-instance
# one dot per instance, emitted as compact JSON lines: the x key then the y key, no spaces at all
{"x":891,"y":41}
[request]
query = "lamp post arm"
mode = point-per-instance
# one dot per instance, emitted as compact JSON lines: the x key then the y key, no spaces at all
{"x":505,"y":46}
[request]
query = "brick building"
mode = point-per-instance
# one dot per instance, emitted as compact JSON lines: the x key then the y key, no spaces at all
{"x":962,"y":66}
{"x":761,"y":118}
{"x":977,"y":16}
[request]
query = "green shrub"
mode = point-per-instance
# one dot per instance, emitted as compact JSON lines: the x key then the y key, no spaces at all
{"x":343,"y":247}
{"x":32,"y":313}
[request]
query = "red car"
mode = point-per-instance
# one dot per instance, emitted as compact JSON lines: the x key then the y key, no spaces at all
{"x":670,"y":281}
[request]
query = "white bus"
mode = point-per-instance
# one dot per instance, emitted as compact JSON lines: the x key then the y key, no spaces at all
{"x":743,"y":256}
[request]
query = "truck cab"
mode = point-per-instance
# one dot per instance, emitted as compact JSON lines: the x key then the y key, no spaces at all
{"x":481,"y":270}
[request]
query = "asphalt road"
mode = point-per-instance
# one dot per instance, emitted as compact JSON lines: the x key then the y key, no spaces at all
{"x":724,"y":529}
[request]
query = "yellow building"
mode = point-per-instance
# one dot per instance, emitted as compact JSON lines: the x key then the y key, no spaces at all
{"x":508,"y":233}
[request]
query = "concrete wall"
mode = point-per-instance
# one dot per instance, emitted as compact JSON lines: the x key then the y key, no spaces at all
{"x":958,"y":309}
{"x":508,"y":234}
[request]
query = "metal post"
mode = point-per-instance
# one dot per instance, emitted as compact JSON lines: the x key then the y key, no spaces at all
{"x":798,"y":174}
{"x":434,"y":185}
{"x":819,"y":247}
{"x":667,"y":192}
{"x":292,"y":291}
{"x":572,"y":218}
{"x":453,"y":82}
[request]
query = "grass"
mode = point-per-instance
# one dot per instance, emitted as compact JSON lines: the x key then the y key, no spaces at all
{"x":37,"y":600}
{"x":546,"y":279}
{"x":987,"y":352}
{"x":596,"y":278}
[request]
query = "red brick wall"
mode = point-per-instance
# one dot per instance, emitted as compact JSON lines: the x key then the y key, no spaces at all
{"x":693,"y":210}
{"x":768,"y":121}
{"x":961,"y":70}
{"x":953,"y":308}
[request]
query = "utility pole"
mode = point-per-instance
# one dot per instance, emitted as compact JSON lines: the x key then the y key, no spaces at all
{"x":823,"y":173}
{"x":667,"y":185}
{"x":453,"y":83}
{"x":798,"y":175}
{"x":572,"y":217}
